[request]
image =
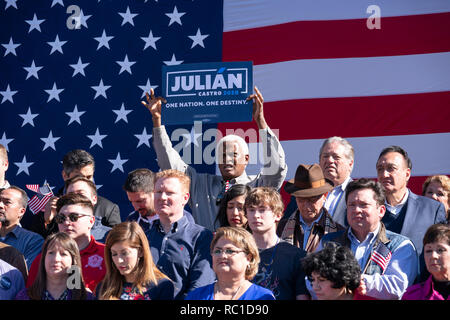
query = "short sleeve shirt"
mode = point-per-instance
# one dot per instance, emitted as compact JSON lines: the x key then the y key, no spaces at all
{"x":281,"y":272}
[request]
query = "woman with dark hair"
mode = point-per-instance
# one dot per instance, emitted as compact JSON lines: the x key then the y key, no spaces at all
{"x":333,"y":272}
{"x":231,"y":210}
{"x":59,"y":254}
{"x":436,"y":248}
{"x":130,"y":271}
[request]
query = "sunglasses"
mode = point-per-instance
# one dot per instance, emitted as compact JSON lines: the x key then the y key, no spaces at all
{"x":61,"y":218}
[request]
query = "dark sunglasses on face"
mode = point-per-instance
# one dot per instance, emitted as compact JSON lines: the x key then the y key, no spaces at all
{"x":73,"y":216}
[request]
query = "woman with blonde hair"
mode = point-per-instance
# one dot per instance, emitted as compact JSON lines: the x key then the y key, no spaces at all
{"x":130,"y":271}
{"x":59,"y":275}
{"x":438,"y":188}
{"x":235,"y":260}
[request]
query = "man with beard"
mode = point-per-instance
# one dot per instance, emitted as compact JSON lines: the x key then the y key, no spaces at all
{"x":13,"y":204}
{"x":139,"y":187}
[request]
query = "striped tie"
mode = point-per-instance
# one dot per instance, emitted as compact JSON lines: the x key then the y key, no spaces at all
{"x":227,"y":185}
{"x":222,"y":193}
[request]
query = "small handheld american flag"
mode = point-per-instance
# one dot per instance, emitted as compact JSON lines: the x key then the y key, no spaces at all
{"x":43,"y":195}
{"x":381,"y":256}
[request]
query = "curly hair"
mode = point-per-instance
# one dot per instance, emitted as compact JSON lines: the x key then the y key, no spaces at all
{"x":335,"y":263}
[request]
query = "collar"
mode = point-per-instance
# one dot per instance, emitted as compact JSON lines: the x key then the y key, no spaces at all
{"x":176,"y":226}
{"x":242,"y":179}
{"x":314,"y":222}
{"x":345,"y":183}
{"x":149,"y":220}
{"x":371,"y":236}
{"x":400,"y":205}
{"x":91,"y":248}
{"x":15,"y":232}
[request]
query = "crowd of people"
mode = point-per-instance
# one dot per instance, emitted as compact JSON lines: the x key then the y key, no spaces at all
{"x":197,"y":236}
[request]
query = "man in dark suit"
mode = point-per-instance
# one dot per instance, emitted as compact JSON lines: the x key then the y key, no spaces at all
{"x":406,"y":213}
{"x":76,"y":163}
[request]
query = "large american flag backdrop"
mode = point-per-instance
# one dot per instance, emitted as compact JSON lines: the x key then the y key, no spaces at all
{"x":73,"y":74}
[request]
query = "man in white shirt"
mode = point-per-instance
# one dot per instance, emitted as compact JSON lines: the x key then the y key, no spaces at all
{"x":336,"y":158}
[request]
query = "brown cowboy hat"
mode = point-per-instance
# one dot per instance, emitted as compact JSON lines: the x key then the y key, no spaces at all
{"x":308,"y":182}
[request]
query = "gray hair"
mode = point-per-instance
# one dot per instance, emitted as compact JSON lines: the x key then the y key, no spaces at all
{"x":348,"y":148}
{"x":231,"y":138}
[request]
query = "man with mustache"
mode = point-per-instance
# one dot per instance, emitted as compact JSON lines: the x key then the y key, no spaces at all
{"x":13,"y":204}
{"x":232,"y":156}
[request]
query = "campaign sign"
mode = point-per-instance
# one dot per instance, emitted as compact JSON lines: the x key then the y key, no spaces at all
{"x":207,"y":92}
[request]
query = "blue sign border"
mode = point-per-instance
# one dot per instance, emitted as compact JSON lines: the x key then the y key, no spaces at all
{"x":211,"y":102}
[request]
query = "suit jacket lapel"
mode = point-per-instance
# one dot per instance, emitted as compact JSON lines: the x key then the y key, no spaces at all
{"x":412,"y":210}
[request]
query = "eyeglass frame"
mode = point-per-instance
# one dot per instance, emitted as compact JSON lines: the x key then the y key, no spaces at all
{"x":73,"y":217}
{"x":228,"y":252}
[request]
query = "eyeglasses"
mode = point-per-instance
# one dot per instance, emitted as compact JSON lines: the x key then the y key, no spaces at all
{"x":228,"y":252}
{"x":73,"y":216}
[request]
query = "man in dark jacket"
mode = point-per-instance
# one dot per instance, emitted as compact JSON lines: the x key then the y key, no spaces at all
{"x":311,"y":221}
{"x":76,"y":163}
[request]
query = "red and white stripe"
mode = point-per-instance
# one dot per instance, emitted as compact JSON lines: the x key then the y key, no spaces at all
{"x":35,"y":204}
{"x":227,"y":185}
{"x":323,"y":72}
{"x":33,"y":187}
{"x":380,"y":260}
